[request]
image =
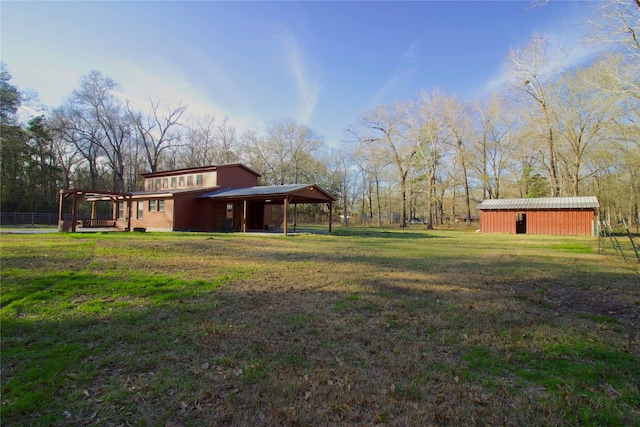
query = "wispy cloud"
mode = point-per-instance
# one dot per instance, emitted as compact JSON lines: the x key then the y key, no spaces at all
{"x":398,"y":78}
{"x":308,"y":89}
{"x":565,"y":49}
{"x":411,"y":54}
{"x":402,"y":75}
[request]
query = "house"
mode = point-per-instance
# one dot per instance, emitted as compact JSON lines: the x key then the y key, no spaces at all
{"x":211,"y":198}
{"x":546,"y":215}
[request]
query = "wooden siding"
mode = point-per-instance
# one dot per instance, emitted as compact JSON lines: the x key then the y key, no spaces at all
{"x":556,"y":221}
{"x":309,"y":194}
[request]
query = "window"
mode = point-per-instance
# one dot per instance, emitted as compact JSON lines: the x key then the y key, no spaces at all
{"x":173,"y":182}
{"x":149,"y":184}
{"x":120,"y":209}
{"x":140,"y":209}
{"x":274,"y":213}
{"x":152,"y":205}
{"x":165,"y":182}
{"x":229,"y":210}
{"x":157,"y":183}
{"x":189,"y":181}
{"x":181,"y":182}
{"x":160,"y":205}
{"x":198,"y":180}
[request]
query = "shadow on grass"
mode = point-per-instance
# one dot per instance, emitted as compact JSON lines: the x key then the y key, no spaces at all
{"x":385,"y":234}
{"x":155,"y":350}
{"x":349,"y":335}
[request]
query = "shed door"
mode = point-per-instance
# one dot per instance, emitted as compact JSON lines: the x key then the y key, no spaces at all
{"x":521,"y":223}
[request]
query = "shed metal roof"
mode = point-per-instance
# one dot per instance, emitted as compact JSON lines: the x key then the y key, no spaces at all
{"x":541,"y":203}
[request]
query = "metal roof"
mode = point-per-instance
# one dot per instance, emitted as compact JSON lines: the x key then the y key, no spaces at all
{"x":263,"y":191}
{"x":586,"y":202}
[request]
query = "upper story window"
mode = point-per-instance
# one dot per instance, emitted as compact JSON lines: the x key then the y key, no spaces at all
{"x":189,"y":181}
{"x":157,"y":183}
{"x":198,"y":180}
{"x":173,"y":182}
{"x":165,"y":182}
{"x":181,"y":181}
{"x":149,"y":184}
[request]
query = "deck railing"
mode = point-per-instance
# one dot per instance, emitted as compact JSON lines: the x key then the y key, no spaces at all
{"x":98,"y":222}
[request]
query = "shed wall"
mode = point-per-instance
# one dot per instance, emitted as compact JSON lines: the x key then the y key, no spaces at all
{"x":561,"y":222}
{"x":498,"y":222}
{"x":558,"y":221}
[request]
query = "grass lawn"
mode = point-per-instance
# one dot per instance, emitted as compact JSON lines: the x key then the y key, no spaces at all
{"x":361,"y":327}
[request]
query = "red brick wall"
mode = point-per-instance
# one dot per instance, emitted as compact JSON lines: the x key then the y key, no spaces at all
{"x":153,"y":220}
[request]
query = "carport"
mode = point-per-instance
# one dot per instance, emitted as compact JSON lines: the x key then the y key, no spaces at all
{"x":252,"y":198}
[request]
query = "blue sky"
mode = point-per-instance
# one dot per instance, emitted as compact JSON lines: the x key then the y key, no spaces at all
{"x":320,"y":63}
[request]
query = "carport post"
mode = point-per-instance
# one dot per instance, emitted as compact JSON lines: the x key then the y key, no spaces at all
{"x":244,"y":216}
{"x":74,"y":212}
{"x":286,"y":208}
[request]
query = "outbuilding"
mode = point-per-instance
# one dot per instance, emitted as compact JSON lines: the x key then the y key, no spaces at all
{"x":574,"y":216}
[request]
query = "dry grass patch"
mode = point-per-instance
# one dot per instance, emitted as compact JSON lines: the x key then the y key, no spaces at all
{"x":365,"y":327}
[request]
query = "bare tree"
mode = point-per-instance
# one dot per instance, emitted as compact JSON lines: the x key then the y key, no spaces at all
{"x":385,"y":128}
{"x":227,"y":141}
{"x":456,"y":117}
{"x":341,"y":164}
{"x":100,"y":117}
{"x":581,"y":117}
{"x":493,"y":144}
{"x":70,"y":129}
{"x":372,"y":163}
{"x":428,"y":133}
{"x":532,"y":70}
{"x":199,"y":144}
{"x":156,"y":131}
{"x":618,"y":22}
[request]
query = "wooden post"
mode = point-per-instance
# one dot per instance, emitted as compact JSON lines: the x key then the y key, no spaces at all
{"x":129,"y":200}
{"x":244,"y":216}
{"x":60,"y":211}
{"x":74,"y":212}
{"x":286,"y":208}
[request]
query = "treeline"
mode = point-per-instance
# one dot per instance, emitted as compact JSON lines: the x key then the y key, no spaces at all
{"x":550,"y":130}
{"x":97,"y":141}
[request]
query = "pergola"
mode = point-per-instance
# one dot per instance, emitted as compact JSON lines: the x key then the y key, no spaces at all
{"x":94,"y":196}
{"x":274,"y":194}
